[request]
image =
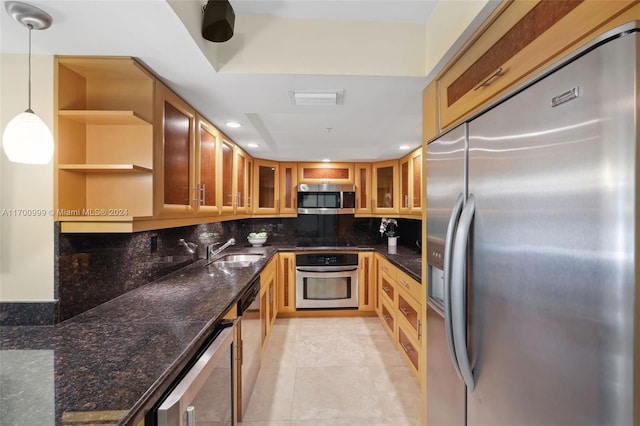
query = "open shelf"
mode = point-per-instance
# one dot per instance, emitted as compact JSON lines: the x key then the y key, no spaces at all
{"x":103,"y":117}
{"x":105,"y":168}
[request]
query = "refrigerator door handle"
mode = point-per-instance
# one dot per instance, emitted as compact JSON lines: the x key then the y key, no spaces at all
{"x":448,"y":252}
{"x":459,"y":293}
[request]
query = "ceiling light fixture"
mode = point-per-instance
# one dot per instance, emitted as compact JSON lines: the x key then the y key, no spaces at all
{"x":26,"y":139}
{"x":404,"y":147}
{"x":252,"y":145}
{"x":326,"y":160}
{"x":233,"y":124}
{"x":316,"y":97}
{"x":218,"y":21}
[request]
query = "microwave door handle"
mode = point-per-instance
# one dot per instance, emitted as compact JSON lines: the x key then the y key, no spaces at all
{"x":459,"y":293}
{"x":448,"y":252}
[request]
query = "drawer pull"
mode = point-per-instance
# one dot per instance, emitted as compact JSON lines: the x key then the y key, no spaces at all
{"x":404,"y":283}
{"x":487,"y":81}
{"x":404,"y":311}
{"x":386,"y":317}
{"x":386,"y":289}
{"x":407,"y":348}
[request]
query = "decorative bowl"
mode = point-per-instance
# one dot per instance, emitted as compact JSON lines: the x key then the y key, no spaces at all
{"x":257,"y":242}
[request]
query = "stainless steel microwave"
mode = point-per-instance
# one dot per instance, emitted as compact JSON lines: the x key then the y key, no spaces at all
{"x":326,"y":199}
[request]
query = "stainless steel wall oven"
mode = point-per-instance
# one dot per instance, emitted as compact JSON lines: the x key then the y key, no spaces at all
{"x":326,"y":280}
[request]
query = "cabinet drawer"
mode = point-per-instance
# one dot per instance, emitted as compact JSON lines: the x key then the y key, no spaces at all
{"x":523,"y":38}
{"x":388,"y":318}
{"x":409,"y":349}
{"x":413,"y":287}
{"x":411,"y":312}
{"x":387,"y":267}
{"x":387,"y":289}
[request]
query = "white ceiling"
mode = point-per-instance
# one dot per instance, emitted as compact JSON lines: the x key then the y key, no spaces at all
{"x":379,"y":113}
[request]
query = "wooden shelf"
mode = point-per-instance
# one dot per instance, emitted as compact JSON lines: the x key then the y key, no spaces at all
{"x":103,"y":117}
{"x":105,"y":168}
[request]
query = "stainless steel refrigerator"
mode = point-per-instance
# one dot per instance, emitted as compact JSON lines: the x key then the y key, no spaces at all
{"x":532,"y":243}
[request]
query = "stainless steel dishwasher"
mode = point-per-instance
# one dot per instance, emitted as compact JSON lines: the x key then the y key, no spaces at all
{"x":249,"y":346}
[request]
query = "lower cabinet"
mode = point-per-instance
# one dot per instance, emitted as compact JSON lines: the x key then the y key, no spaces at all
{"x":401,"y":312}
{"x":366,"y":296}
{"x":286,"y":282}
{"x":268,"y":301}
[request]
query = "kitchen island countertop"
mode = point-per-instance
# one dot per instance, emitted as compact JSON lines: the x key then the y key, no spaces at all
{"x":112,"y":363}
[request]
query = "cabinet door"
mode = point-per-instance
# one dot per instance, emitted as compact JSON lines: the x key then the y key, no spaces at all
{"x":228,"y":181}
{"x":242,"y":181}
{"x":405,"y":178}
{"x":416,"y":183}
{"x":286,"y":282}
{"x":385,"y":187}
{"x":334,"y":173}
{"x":363,"y":188}
{"x":366,"y":294}
{"x":288,"y":189}
{"x":207,"y":154}
{"x":175,"y":146}
{"x":266,"y":186}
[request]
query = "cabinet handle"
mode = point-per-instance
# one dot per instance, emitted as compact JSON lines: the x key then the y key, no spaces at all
{"x":487,"y":81}
{"x":203,"y":201}
{"x":196,"y":190}
{"x":404,"y":283}
{"x":386,"y":289}
{"x":249,"y":201}
{"x":407,"y":348}
{"x":191,"y":416}
{"x":386,"y":317}
{"x":404,"y":311}
{"x":406,"y":201}
{"x":419,"y":329}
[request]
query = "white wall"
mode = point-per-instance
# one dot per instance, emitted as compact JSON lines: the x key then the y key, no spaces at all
{"x":26,"y":242}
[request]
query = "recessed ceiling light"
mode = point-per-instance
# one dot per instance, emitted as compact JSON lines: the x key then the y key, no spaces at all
{"x":325,"y":160}
{"x":233,"y":124}
{"x":404,"y":147}
{"x":252,"y":145}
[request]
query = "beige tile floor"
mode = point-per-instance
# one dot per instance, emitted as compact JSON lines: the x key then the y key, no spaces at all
{"x":333,"y":371}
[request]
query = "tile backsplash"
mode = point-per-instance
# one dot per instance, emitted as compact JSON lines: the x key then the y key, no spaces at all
{"x":94,"y":268}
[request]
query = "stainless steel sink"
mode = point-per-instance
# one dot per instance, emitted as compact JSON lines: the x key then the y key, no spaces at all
{"x":236,"y":260}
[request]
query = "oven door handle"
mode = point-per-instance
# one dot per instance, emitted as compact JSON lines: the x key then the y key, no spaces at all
{"x":328,"y":269}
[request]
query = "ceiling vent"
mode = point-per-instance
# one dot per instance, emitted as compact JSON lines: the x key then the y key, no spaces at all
{"x":316,"y":97}
{"x":218,"y":21}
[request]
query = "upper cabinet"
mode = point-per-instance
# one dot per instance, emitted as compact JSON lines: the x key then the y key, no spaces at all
{"x":363,"y":188}
{"x":208,"y":188}
{"x":333,"y":173}
{"x":385,"y":197}
{"x":288,"y":189}
{"x":266,"y":186}
{"x":104,"y":143}
{"x":518,"y":40}
{"x":174,"y":155}
{"x":411,"y":184}
{"x":235,"y":179}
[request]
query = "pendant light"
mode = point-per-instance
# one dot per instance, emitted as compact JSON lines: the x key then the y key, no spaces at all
{"x":27,"y":139}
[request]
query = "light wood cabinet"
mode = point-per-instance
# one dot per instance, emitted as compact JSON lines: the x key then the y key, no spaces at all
{"x":266,"y":185}
{"x":208,"y":194}
{"x":401,"y":312}
{"x":411,"y":184}
{"x":104,"y":134}
{"x":430,"y":112}
{"x":286,"y":282}
{"x":333,"y":173}
{"x":268,"y":300}
{"x":384,"y":182}
{"x":363,"y":188}
{"x":288,"y":190}
{"x":366,"y":279}
{"x":235,"y":179}
{"x":518,"y":40}
{"x":174,"y":155}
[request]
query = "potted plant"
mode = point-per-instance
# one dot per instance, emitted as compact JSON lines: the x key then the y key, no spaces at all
{"x":389,"y":227}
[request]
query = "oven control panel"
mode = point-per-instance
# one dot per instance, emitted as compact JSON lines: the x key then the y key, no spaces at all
{"x":326,"y":259}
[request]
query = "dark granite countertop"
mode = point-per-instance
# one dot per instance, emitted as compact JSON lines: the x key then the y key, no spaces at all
{"x":115,"y":360}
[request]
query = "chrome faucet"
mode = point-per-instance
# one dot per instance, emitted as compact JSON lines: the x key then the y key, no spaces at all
{"x":213,"y":253}
{"x":191,"y":247}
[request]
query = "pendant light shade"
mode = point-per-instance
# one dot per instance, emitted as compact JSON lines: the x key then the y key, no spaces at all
{"x":27,"y":139}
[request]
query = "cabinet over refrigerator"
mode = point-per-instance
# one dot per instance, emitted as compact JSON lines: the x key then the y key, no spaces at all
{"x":532,"y":247}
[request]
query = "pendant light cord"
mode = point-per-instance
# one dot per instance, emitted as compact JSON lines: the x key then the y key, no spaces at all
{"x":30,"y":29}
